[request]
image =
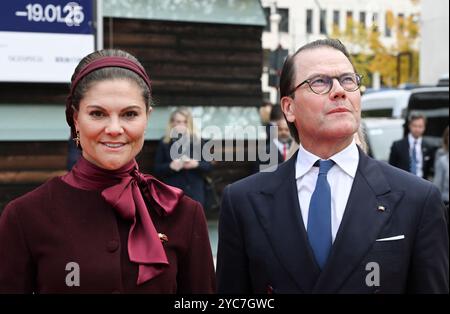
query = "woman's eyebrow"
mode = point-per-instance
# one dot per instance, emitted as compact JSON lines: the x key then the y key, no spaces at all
{"x":102,"y":108}
{"x":132,"y":107}
{"x":95,"y":107}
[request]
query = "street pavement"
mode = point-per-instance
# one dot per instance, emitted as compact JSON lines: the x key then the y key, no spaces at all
{"x":213,"y":237}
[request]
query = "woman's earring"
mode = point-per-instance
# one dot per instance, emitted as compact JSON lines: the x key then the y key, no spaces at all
{"x":77,"y":139}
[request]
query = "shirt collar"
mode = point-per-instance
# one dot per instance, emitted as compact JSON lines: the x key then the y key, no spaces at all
{"x":347,"y":159}
{"x":411,"y":140}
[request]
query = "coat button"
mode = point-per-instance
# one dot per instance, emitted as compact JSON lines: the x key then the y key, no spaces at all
{"x":112,"y":246}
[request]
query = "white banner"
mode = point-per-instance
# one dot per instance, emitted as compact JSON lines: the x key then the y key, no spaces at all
{"x":41,"y":57}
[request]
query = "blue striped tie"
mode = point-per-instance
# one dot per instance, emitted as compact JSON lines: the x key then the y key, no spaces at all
{"x":413,"y":165}
{"x":319,"y":216}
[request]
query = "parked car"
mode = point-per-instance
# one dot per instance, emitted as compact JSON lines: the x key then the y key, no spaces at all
{"x":380,"y":133}
{"x":394,"y":103}
{"x":386,"y":103}
{"x":443,"y":80}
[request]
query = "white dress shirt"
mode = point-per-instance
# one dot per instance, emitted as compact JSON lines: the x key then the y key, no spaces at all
{"x":419,"y":155}
{"x":340,"y":178}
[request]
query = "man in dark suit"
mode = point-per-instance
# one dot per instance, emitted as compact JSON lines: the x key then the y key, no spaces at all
{"x":412,"y":153}
{"x":278,"y":145}
{"x":330,"y":219}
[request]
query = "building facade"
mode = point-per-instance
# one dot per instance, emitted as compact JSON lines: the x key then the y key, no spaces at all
{"x":300,"y":22}
{"x":434,"y":25}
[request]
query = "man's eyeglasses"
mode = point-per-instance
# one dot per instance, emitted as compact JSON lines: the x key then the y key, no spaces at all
{"x":322,"y":84}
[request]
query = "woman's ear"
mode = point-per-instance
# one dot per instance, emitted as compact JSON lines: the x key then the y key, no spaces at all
{"x":75,"y":118}
{"x":149,"y":111}
{"x":287,"y":105}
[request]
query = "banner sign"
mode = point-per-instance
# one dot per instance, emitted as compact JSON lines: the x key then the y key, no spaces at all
{"x":43,"y":41}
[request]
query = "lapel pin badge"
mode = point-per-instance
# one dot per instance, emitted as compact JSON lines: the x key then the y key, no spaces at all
{"x":381,"y":208}
{"x":163,"y":237}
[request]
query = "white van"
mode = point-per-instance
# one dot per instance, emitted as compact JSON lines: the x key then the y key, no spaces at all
{"x":443,"y":80}
{"x":380,"y":133}
{"x":394,"y":103}
{"x":388,"y":103}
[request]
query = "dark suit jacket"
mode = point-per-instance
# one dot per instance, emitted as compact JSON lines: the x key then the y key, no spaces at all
{"x":263,"y":244}
{"x":190,"y":181}
{"x":400,"y":156}
{"x":56,"y":224}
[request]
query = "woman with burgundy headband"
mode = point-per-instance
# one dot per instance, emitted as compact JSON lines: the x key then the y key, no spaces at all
{"x":105,"y":226}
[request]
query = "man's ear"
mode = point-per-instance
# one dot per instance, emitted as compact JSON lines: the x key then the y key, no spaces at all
{"x":287,"y":105}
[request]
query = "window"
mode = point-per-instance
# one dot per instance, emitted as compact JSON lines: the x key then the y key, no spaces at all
{"x":336,"y":18}
{"x":362,"y":19}
{"x":375,"y":22}
{"x":387,"y":25}
{"x":323,"y":21}
{"x":284,"y":22}
{"x":309,"y":21}
{"x":349,"y":21}
{"x":267,"y":14}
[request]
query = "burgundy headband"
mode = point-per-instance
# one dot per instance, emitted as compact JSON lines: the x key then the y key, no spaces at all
{"x":103,"y":62}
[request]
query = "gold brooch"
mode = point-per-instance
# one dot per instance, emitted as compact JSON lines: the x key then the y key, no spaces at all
{"x":163,"y":237}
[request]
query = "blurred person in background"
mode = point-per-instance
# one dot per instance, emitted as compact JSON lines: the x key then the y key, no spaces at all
{"x":441,"y":151}
{"x":264,"y":113}
{"x":178,"y":158}
{"x":441,"y":171}
{"x":281,"y":143}
{"x":412,"y":153}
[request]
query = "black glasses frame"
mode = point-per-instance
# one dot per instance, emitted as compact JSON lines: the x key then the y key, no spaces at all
{"x":308,"y":81}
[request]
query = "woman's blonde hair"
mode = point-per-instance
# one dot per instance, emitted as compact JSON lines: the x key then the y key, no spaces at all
{"x":185,"y":112}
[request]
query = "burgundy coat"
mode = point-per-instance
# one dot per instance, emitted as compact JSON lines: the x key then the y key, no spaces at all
{"x":56,"y":224}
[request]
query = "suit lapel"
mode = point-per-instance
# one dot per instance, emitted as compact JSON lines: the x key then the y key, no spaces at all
{"x":361,"y":224}
{"x":278,"y":212}
{"x":405,"y":153}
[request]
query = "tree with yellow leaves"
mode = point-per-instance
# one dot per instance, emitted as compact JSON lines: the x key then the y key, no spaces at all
{"x":396,"y":64}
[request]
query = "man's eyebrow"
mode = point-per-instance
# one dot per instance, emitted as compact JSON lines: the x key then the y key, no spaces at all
{"x":316,"y":74}
{"x":322,"y":74}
